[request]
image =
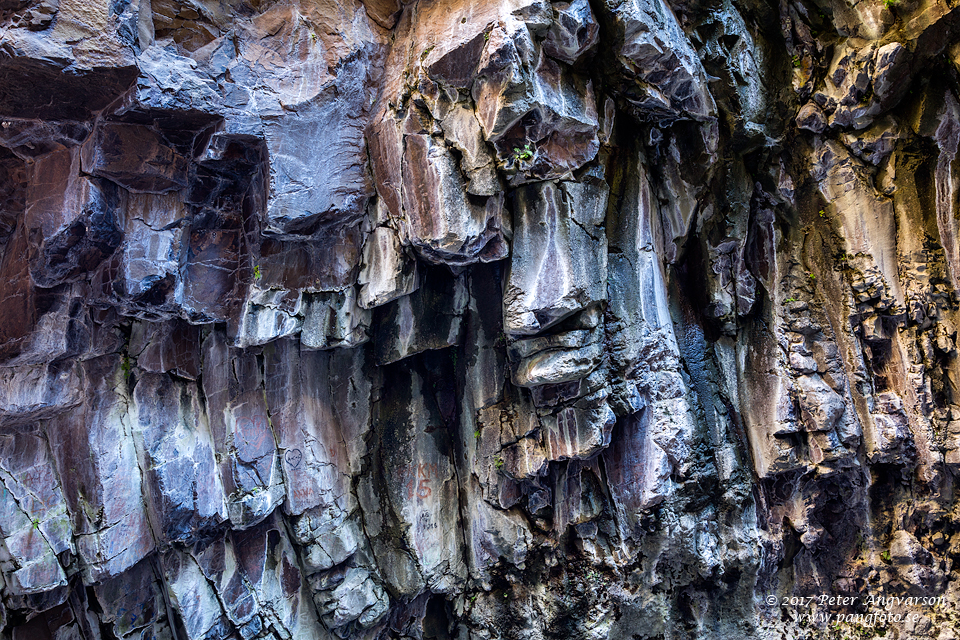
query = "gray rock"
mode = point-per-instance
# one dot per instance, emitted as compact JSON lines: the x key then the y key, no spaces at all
{"x":135,"y":157}
{"x":357,"y":597}
{"x":654,"y":54}
{"x":811,"y":118}
{"x":185,"y":489}
{"x":429,"y":318}
{"x":513,"y":318}
{"x":334,"y":320}
{"x":553,"y":367}
{"x":558,"y":266}
{"x":573,"y":32}
{"x":387,"y":274}
{"x":442,"y":222}
{"x":876,"y":143}
{"x":820,"y":406}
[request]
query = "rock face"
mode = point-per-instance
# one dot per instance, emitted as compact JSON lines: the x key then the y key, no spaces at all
{"x":449,"y":319}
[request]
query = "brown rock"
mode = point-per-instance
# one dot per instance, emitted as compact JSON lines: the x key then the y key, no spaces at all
{"x":135,"y":157}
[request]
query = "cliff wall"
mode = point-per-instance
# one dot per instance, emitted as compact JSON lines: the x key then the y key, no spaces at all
{"x":588,"y":319}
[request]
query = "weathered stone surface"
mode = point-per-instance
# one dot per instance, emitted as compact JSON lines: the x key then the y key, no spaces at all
{"x":811,"y":118}
{"x":511,"y":319}
{"x":541,"y":117}
{"x":443,"y":223}
{"x":573,"y":32}
{"x":639,"y":471}
{"x":429,"y":318}
{"x":73,"y":219}
{"x":862,"y":83}
{"x":286,"y":60}
{"x":134,"y":601}
{"x":170,"y":346}
{"x":334,"y":320}
{"x":574,"y":360}
{"x":418,"y":480}
{"x":33,"y":391}
{"x":652,"y":50}
{"x":558,"y":266}
{"x":135,"y":157}
{"x":35,"y":524}
{"x":154,"y":240}
{"x":243,"y":438}
{"x":209,"y":281}
{"x":99,"y":463}
{"x":185,"y":490}
{"x":32,"y":87}
{"x":387,"y":273}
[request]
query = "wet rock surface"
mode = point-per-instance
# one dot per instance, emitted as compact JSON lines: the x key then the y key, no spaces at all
{"x":515,"y":319}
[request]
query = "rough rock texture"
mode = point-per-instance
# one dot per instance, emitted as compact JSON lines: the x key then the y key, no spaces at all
{"x":450,"y":319}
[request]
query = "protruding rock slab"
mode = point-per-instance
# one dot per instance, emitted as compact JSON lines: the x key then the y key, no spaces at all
{"x":668,"y":79}
{"x":74,"y":220}
{"x":387,"y":273}
{"x":135,"y":157}
{"x":210,"y":279}
{"x":429,"y":318}
{"x":559,"y":262}
{"x":183,"y":484}
{"x":444,"y":223}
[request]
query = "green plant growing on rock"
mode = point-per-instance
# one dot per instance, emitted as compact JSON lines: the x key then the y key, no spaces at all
{"x":257,"y":274}
{"x":885,"y":556}
{"x":789,"y":300}
{"x":796,"y":62}
{"x":498,"y":462}
{"x":890,"y":4}
{"x":522,"y":154}
{"x":126,"y":365}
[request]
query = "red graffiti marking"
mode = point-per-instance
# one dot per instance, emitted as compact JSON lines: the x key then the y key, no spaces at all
{"x":255,"y":434}
{"x":420,"y":476}
{"x":302,"y":493}
{"x":422,"y":491}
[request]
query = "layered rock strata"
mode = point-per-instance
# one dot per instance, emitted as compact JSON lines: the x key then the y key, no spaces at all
{"x":503,"y":319}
